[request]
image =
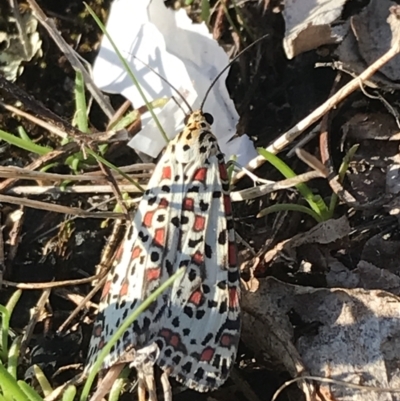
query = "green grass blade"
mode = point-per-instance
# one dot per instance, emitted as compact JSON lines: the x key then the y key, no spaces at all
{"x":42,"y":380}
{"x":316,"y":202}
{"x":30,"y":393}
{"x":125,"y":325}
{"x":116,"y":389}
{"x":24,"y":144}
{"x":205,"y":11}
{"x":284,"y":207}
{"x":13,"y":301}
{"x":22,"y":134}
{"x":128,"y":71}
{"x":80,"y":116}
{"x":6,"y":312}
{"x":13,"y":355}
{"x":69,"y":393}
{"x":5,"y":322}
{"x":9,"y":386}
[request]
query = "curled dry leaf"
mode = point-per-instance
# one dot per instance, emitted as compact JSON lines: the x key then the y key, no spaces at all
{"x":309,"y":25}
{"x":16,"y":49}
{"x":355,"y":336}
{"x":374,"y":36}
{"x":366,"y":276}
{"x":323,"y":233}
{"x":368,"y":39}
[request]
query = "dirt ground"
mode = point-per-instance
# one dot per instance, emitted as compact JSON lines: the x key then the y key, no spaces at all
{"x":271,"y":94}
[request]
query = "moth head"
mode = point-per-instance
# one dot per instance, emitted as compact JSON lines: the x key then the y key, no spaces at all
{"x":198,"y":117}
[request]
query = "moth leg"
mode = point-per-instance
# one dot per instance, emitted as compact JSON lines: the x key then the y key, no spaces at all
{"x":151,"y":386}
{"x":144,"y":361}
{"x":166,"y":385}
{"x":141,"y":386}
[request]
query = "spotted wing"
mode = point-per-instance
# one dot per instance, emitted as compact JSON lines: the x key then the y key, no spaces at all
{"x":142,"y":265}
{"x":199,"y":339}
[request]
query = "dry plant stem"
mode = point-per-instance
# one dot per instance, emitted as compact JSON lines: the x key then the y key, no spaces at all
{"x":323,"y":137}
{"x":76,"y":189}
{"x":109,"y":250}
{"x":311,"y":161}
{"x":256,"y":192}
{"x":24,"y":174}
{"x":105,"y":384}
{"x":50,"y":284}
{"x":114,"y":187}
{"x":81,"y":305}
{"x":55,"y":228}
{"x":132,"y":168}
{"x":64,"y":151}
{"x":119,"y":113}
{"x":39,"y":109}
{"x":58,"y":208}
{"x":284,"y":140}
{"x":58,"y":392}
{"x":73,"y":297}
{"x":14,"y":239}
{"x":33,"y":320}
{"x":333,"y":179}
{"x":49,"y":25}
{"x":36,"y":120}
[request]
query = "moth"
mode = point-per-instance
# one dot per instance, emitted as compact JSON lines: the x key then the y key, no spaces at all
{"x":183,"y":220}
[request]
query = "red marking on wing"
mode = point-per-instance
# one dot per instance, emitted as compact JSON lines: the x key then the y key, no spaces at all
{"x":159,"y":237}
{"x":207,"y":354}
{"x":101,"y":343}
{"x":97,"y":330}
{"x":166,"y":334}
{"x":166,"y":173}
{"x":200,"y":174}
{"x":106,"y":289}
{"x":199,"y":223}
{"x":188,"y":204}
{"x":226,"y":340}
{"x":196,"y":297}
{"x":175,"y":340}
{"x":228,"y":205}
{"x":233,"y":298}
{"x":198,"y":258}
{"x":148,"y":218}
{"x":136,"y":252}
{"x":153,"y":274}
{"x":163,"y":203}
{"x":118,"y":254}
{"x":222,"y":172}
{"x":232,"y":256}
{"x":170,"y":338}
{"x":124,"y":288}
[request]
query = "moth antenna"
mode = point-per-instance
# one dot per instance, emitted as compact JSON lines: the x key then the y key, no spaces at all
{"x":167,"y":82}
{"x":227,"y":66}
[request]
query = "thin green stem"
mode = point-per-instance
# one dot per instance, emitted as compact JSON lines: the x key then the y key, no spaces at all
{"x":283,"y":207}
